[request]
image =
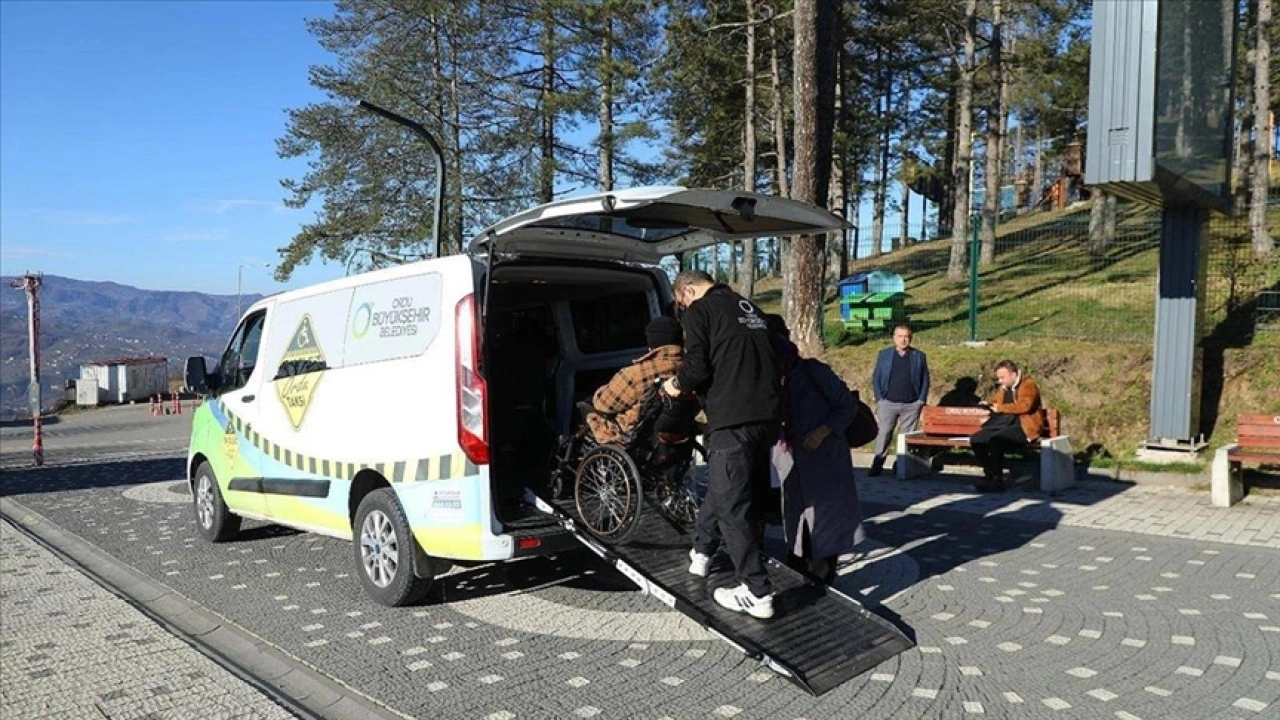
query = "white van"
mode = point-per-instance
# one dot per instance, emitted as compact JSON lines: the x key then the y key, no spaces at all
{"x":411,"y":407}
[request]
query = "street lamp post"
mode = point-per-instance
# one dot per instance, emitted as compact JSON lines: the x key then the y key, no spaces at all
{"x":240,"y":284}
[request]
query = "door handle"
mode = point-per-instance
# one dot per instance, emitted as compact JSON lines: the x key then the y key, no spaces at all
{"x":248,"y":398}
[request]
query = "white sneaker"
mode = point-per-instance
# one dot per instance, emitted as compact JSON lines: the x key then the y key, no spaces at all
{"x":740,"y":599}
{"x":699,"y":564}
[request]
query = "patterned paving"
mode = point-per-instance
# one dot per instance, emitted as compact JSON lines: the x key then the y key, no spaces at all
{"x":1106,"y":603}
{"x":70,"y":649}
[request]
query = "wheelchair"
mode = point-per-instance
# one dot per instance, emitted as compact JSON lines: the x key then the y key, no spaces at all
{"x":611,"y":481}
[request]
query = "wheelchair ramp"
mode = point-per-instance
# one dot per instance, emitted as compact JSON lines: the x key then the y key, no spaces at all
{"x":818,"y":637}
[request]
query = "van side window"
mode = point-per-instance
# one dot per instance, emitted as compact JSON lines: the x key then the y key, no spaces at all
{"x":241,"y":355}
{"x":611,"y":323}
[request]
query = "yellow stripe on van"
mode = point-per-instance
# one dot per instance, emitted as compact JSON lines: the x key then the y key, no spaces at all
{"x":440,"y":467}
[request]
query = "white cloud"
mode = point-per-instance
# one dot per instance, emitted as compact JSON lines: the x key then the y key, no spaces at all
{"x":222,"y":207}
{"x":26,"y":251}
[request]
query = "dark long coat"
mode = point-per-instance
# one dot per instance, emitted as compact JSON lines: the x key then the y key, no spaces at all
{"x":819,"y":496}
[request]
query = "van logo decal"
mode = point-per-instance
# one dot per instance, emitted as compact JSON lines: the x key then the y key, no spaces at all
{"x":361,"y":320}
{"x":295,"y":392}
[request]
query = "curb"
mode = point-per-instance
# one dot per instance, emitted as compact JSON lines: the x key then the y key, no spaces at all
{"x":285,"y":679}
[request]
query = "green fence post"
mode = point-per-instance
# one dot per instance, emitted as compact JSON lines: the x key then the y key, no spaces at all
{"x":973,"y":280}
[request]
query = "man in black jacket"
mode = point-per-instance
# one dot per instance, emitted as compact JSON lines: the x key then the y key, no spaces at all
{"x":730,"y":361}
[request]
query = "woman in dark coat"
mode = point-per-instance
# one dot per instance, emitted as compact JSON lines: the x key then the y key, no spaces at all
{"x":820,"y":512}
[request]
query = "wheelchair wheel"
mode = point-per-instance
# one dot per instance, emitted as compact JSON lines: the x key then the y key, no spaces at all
{"x":676,"y":499}
{"x":608,"y":494}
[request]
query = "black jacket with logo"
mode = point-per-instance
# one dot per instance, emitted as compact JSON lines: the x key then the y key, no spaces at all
{"x":730,"y":361}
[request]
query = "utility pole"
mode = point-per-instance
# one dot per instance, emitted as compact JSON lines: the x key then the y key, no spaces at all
{"x":31,"y":284}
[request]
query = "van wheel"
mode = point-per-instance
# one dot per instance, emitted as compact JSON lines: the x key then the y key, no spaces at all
{"x":384,"y":551}
{"x":217,"y":523}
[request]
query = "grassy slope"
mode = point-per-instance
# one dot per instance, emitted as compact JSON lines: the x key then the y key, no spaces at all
{"x":1046,"y":305}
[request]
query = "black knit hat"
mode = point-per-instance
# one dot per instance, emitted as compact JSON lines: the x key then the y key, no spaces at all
{"x":664,"y":331}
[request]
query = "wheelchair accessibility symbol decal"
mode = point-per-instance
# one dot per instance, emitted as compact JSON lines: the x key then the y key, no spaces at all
{"x":301,"y":367}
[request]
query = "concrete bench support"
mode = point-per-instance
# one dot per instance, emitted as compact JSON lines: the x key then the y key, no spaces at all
{"x":1057,"y":464}
{"x":1226,"y":488}
{"x":908,"y":465}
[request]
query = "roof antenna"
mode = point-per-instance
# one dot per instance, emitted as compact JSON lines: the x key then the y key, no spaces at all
{"x":426,"y":135}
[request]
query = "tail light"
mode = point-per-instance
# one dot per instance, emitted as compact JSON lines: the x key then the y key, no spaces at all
{"x":473,"y":391}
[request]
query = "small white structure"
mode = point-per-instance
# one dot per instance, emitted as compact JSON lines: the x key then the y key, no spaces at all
{"x":87,"y":392}
{"x":127,"y":379}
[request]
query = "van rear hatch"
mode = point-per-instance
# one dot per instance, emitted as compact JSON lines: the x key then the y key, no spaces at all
{"x":647,"y":223}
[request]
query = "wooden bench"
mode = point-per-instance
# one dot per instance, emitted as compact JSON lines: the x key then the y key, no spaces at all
{"x":943,"y":428}
{"x":1257,"y":441}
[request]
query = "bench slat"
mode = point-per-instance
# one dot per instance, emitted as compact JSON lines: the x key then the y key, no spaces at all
{"x":1258,"y":457}
{"x":937,"y":441}
{"x":1258,"y":431}
{"x":1259,"y":441}
{"x":956,"y":421}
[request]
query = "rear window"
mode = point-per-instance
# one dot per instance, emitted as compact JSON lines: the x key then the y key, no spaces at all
{"x":610,"y":323}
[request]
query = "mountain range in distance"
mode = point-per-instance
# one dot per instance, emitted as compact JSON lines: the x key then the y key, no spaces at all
{"x":86,"y":321}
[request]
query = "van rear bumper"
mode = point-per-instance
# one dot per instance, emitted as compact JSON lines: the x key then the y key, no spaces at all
{"x":546,"y":540}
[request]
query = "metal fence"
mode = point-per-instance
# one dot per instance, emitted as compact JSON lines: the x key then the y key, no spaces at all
{"x":1048,"y":281}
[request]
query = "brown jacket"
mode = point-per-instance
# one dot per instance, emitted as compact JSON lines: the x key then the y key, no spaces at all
{"x":1026,"y":404}
{"x":621,"y":397}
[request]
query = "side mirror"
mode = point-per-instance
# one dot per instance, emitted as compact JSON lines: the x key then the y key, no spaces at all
{"x":195,"y":375}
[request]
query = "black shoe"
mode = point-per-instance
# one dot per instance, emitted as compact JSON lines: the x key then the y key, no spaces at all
{"x":877,"y":466}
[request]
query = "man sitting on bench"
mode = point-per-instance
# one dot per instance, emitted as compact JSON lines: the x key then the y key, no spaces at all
{"x":1015,"y":417}
{"x":618,"y":403}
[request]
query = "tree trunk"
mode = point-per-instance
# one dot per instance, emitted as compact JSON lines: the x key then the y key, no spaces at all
{"x":906,"y":164}
{"x":1019,"y":179}
{"x":881,"y":191}
{"x":964,"y":149}
{"x":547,"y":166}
{"x":1098,"y":240}
{"x":606,"y":100}
{"x":442,"y":105}
{"x":814,"y":101}
{"x":779,"y":116}
{"x":904,"y":232}
{"x":946,"y":207}
{"x":995,"y":139}
{"x":748,"y":285}
{"x":1263,"y":243}
{"x":848,"y":234}
{"x":1037,"y":171}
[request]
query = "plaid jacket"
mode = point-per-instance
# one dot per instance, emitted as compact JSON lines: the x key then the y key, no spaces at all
{"x":622,"y":396}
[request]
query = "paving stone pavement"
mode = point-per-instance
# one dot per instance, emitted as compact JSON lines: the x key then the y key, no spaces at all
{"x":1021,"y":608}
{"x":71,"y":649}
{"x":1143,"y":509}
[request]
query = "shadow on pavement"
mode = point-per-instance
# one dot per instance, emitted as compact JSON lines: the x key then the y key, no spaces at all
{"x":26,"y":422}
{"x":87,"y":476}
{"x":576,"y":569}
{"x":927,"y":543}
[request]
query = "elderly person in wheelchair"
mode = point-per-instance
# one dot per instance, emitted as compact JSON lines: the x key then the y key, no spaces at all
{"x":635,"y":439}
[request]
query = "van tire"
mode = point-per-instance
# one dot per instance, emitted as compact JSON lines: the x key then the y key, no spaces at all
{"x":217,"y":523}
{"x":383,"y":544}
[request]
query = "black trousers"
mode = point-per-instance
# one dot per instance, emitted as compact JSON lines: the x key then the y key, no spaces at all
{"x":1000,"y":434}
{"x":737,"y":463}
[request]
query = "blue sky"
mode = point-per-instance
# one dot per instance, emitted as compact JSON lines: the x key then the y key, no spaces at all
{"x":137,"y":140}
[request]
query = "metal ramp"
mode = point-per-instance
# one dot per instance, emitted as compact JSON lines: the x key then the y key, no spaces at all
{"x":818,"y":637}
